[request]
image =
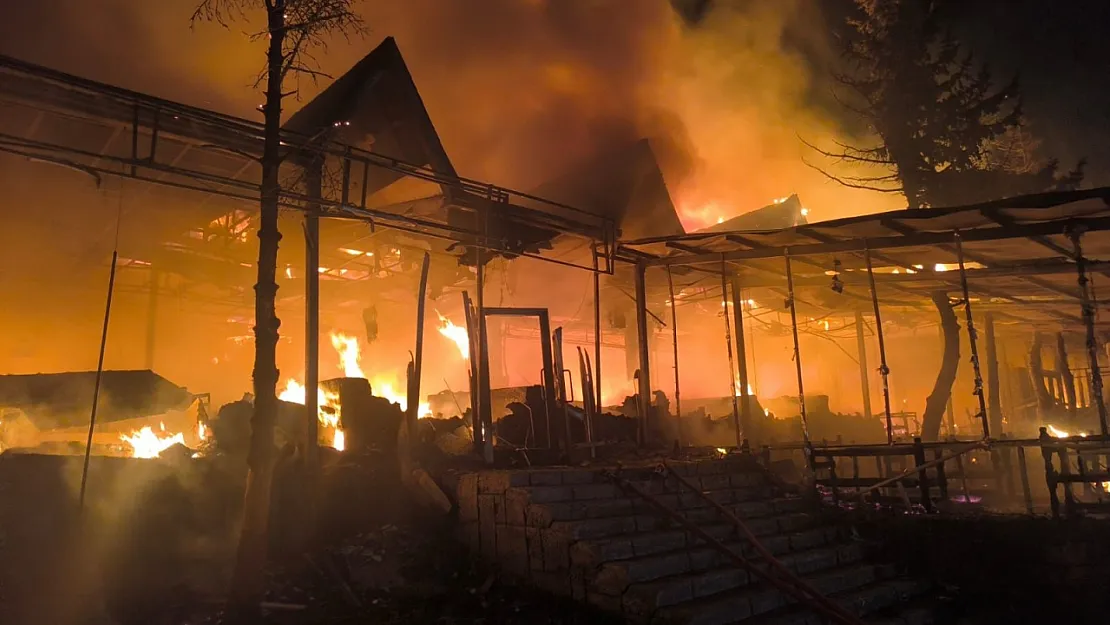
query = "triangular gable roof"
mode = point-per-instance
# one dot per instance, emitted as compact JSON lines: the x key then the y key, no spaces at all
{"x":376,"y":106}
{"x":626,"y":186}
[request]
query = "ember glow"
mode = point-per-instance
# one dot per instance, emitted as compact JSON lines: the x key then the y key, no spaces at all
{"x":455,"y":334}
{"x":1058,"y":433}
{"x":146,"y":443}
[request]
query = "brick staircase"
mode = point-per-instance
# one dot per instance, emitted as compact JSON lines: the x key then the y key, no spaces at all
{"x":575,"y":532}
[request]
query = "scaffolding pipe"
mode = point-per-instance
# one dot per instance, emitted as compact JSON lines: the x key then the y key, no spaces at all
{"x":798,"y":359}
{"x":971,"y":337}
{"x":674,"y":340}
{"x":728,"y":345}
{"x":884,"y":370}
{"x":1089,"y":322}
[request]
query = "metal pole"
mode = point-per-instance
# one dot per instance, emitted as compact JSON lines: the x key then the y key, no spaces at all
{"x":642,"y":339}
{"x":481,"y":362}
{"x":797,"y":357}
{"x":1089,"y":322}
{"x":742,"y":357}
{"x":96,"y":384}
{"x":313,"y":186}
{"x":413,"y":412}
{"x":861,"y":350}
{"x":994,"y":397}
{"x":674,"y":339}
{"x":597,"y":337}
{"x":884,"y":370}
{"x":728,"y":345}
{"x":971,"y":337}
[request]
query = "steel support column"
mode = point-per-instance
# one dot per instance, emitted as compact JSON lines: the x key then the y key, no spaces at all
{"x":884,"y":370}
{"x":597,"y":336}
{"x":972,"y":340}
{"x":798,"y":359}
{"x":742,"y":358}
{"x":644,"y":389}
{"x":674,"y":340}
{"x":861,"y":353}
{"x":314,"y":188}
{"x":731,"y":360}
{"x":994,"y":397}
{"x":1089,"y":322}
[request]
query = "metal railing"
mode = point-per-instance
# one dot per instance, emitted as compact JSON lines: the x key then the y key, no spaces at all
{"x":940,"y":476}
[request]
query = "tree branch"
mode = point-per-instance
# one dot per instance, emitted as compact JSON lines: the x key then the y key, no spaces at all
{"x":848,"y":184}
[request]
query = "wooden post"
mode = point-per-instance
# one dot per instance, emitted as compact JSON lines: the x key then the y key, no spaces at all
{"x":1047,"y":446}
{"x":994,"y":395}
{"x":1025,"y":492}
{"x":314,"y":188}
{"x":731,"y":361}
{"x":742,"y":357}
{"x":1092,"y":341}
{"x":413,"y":411}
{"x":798,"y":358}
{"x":642,"y":348}
{"x":884,"y":370}
{"x":971,"y":337}
{"x":674,"y":340}
{"x":865,"y":386}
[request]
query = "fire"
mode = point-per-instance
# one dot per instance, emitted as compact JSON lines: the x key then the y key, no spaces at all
{"x":457,"y":335}
{"x":1058,"y":433}
{"x":145,"y":443}
{"x":202,"y":431}
{"x":349,"y":354}
{"x":736,"y":389}
{"x":327,"y":406}
{"x":722,"y":451}
{"x":384,"y":387}
{"x":339,"y":440}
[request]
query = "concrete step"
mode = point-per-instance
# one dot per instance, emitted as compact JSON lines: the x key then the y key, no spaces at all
{"x":590,"y":554}
{"x":706,"y":572}
{"x":893,"y":601}
{"x":756,"y":514}
{"x":656,"y":485}
{"x":541,"y":514}
{"x":762,"y":599}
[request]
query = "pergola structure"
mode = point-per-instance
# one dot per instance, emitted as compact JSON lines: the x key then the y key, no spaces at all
{"x":1027,"y":260}
{"x":351,"y":153}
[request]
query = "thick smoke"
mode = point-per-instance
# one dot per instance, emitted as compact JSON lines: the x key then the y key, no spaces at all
{"x":519,"y":91}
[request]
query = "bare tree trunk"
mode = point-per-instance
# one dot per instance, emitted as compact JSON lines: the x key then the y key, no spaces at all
{"x":1066,"y":375}
{"x":1045,"y":402}
{"x":247,"y":581}
{"x":937,"y":401}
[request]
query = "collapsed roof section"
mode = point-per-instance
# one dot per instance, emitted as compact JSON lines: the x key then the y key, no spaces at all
{"x":62,"y":400}
{"x":783,"y":213}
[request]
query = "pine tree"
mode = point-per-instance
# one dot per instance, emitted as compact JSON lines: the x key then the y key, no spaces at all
{"x":934,"y":110}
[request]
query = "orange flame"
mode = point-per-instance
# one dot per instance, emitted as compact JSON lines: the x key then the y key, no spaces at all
{"x":145,"y":443}
{"x":455,"y":334}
